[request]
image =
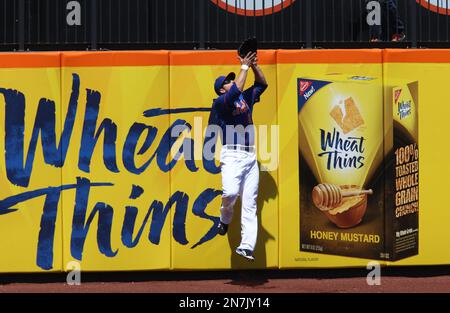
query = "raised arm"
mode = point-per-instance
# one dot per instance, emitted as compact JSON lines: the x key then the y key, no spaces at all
{"x":259,"y":75}
{"x":246,"y":63}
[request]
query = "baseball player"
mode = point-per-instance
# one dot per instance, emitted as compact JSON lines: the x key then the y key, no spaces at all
{"x":232,"y":110}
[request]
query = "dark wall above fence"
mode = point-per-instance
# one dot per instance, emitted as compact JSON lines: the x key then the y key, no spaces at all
{"x":191,"y":24}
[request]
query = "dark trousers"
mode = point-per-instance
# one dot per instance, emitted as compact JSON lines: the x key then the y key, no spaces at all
{"x":389,"y":19}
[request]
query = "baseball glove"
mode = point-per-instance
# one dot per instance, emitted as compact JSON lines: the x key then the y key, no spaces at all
{"x":248,"y":45}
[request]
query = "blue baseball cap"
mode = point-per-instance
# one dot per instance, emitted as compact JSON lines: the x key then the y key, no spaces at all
{"x":219,"y":81}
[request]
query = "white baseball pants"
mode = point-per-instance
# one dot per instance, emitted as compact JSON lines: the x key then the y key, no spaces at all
{"x":240,"y":176}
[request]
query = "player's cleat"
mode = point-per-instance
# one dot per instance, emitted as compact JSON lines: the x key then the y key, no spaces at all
{"x":222,"y":228}
{"x":246,"y":254}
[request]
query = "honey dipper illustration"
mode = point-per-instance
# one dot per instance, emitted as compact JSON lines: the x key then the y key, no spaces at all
{"x":328,"y":196}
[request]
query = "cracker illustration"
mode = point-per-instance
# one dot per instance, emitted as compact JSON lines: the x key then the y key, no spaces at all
{"x":352,"y":118}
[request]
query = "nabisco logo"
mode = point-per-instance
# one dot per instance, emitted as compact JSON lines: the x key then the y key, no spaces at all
{"x":304,"y":85}
{"x":309,"y":93}
{"x":397,"y":95}
{"x":438,"y":6}
{"x":253,"y":7}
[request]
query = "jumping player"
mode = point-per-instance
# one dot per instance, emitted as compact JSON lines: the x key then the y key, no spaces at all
{"x":232,"y":111}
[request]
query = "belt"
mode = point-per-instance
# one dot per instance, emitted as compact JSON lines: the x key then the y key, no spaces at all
{"x":240,"y":148}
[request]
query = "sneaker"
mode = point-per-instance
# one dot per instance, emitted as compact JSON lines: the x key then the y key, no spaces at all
{"x":398,"y":37}
{"x":375,"y":39}
{"x":248,"y":254}
{"x":222,"y":228}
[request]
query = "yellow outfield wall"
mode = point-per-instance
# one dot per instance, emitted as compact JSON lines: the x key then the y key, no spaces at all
{"x":431,"y":68}
{"x":30,"y":215}
{"x":124,"y":221}
{"x":90,"y":174}
{"x":293,"y":65}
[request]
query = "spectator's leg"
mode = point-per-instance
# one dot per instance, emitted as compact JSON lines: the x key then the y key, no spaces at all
{"x":395,"y":23}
